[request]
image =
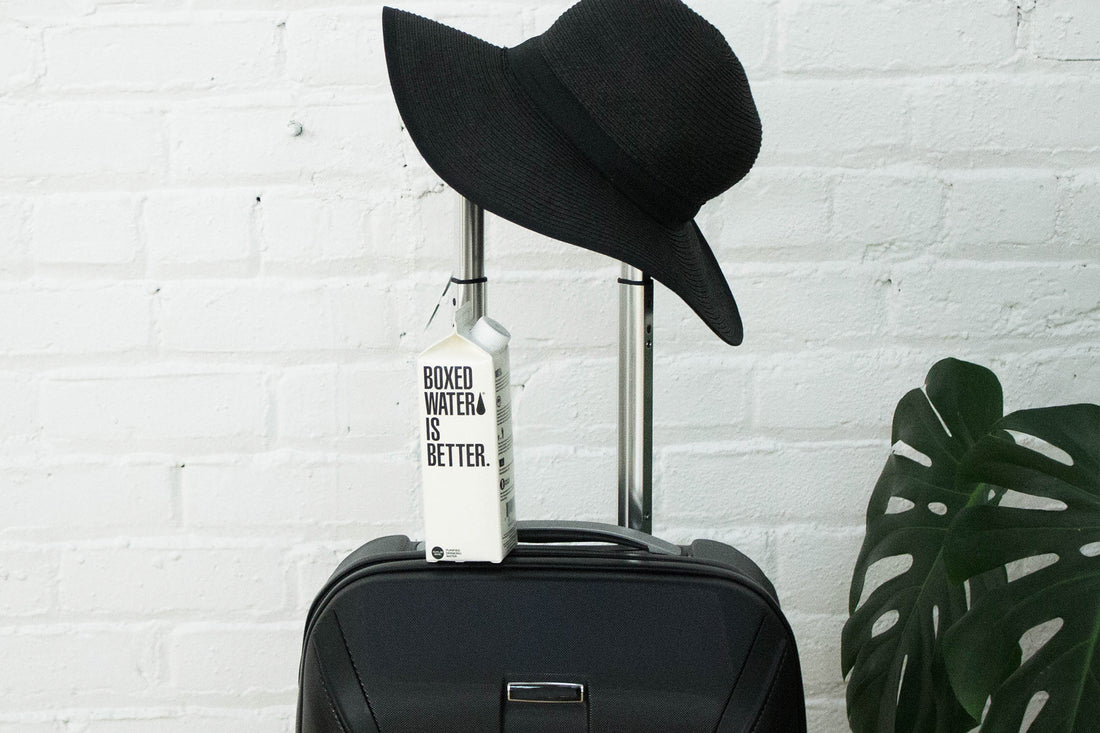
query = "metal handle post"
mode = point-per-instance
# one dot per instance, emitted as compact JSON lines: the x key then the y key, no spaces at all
{"x":635,"y":399}
{"x":471,"y":275}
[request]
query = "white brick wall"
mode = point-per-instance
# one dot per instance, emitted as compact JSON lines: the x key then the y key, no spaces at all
{"x":207,"y":324}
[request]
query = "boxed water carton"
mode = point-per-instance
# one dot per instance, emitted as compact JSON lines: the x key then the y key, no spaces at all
{"x":466,"y":443}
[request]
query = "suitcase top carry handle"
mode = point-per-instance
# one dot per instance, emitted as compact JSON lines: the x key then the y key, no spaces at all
{"x":539,"y":531}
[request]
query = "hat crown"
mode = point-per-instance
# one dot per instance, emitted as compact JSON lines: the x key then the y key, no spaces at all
{"x":664,"y":84}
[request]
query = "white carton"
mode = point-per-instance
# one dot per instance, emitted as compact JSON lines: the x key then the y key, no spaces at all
{"x":466,"y":443}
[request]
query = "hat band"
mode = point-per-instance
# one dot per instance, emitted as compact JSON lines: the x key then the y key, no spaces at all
{"x":554,"y":100}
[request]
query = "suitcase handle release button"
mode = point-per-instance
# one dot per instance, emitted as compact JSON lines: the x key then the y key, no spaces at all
{"x":545,"y":692}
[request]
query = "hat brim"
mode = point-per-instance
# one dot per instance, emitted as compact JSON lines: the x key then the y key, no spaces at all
{"x":482,"y":135}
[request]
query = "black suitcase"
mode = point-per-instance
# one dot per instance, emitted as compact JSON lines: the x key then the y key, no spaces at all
{"x":583,"y":627}
{"x":634,"y":636}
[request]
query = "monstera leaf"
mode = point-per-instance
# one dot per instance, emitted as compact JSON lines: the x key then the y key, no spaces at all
{"x":1031,"y":502}
{"x":891,"y":642}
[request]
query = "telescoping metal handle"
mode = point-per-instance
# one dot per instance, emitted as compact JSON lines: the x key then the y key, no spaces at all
{"x":635,"y":399}
{"x":635,"y":366}
{"x":471,"y":274}
{"x":540,"y":531}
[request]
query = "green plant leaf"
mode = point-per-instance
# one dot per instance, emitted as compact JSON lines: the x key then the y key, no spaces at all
{"x":898,"y":677}
{"x":1049,"y":509}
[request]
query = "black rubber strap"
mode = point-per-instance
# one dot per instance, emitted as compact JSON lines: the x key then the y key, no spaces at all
{"x":537,"y":78}
{"x":540,"y":531}
{"x":474,"y":281}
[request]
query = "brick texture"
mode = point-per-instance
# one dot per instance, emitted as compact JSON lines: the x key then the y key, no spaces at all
{"x":209,"y":322}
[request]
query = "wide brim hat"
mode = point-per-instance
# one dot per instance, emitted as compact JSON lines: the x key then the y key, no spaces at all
{"x":608,"y":131}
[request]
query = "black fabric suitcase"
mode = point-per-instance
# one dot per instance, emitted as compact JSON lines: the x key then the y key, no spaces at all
{"x":584,"y":626}
{"x":636,"y":635}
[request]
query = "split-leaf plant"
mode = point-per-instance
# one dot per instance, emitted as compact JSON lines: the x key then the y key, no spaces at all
{"x":976,"y":595}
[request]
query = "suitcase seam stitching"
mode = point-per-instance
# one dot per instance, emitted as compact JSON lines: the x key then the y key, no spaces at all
{"x":354,"y":668}
{"x":331,"y":700}
{"x":740,"y":672}
{"x":771,"y":689}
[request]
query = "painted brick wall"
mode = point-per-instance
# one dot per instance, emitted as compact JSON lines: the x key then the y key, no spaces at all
{"x":207,"y":324}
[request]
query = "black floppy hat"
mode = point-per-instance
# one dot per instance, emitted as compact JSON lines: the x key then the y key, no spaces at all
{"x":608,"y":131}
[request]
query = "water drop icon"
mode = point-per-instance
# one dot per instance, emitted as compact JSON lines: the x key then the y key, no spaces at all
{"x":481,"y":404}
